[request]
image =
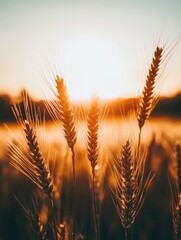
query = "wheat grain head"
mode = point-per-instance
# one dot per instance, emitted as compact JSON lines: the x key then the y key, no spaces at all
{"x":66,"y":113}
{"x":92,"y":132}
{"x":129,"y":189}
{"x":27,"y":157}
{"x":147,"y":101}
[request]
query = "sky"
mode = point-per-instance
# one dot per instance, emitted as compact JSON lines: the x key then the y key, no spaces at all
{"x":98,"y":47}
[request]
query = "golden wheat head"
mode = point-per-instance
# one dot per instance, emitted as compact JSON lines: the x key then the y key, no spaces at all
{"x":147,"y":101}
{"x":93,"y":126}
{"x":40,"y":167}
{"x":28,"y":158}
{"x":66,"y":112}
{"x":130,"y":190}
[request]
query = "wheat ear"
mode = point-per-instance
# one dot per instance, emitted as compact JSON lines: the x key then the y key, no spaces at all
{"x":148,"y":101}
{"x":92,"y":149}
{"x":130,"y":190}
{"x":28,"y":158}
{"x":41,"y":170}
{"x":66,"y":113}
{"x":33,"y":165}
{"x":67,"y":118}
{"x":40,"y":167}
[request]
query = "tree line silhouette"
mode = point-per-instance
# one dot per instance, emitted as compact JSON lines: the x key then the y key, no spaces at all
{"x":167,"y":106}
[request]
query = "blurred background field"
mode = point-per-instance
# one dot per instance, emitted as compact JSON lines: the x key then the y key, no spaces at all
{"x":154,"y":221}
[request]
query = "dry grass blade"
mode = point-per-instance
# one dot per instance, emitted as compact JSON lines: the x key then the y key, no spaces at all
{"x":66,"y":113}
{"x":147,"y":101}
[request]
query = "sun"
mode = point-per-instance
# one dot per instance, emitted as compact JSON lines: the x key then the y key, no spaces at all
{"x":93,"y":65}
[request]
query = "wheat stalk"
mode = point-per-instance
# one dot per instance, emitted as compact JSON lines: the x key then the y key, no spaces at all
{"x":41,"y":168}
{"x":35,"y":167}
{"x":30,"y":160}
{"x":67,"y":118}
{"x":92,"y":149}
{"x":129,"y":191}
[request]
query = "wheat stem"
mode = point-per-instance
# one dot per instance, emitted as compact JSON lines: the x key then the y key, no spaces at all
{"x":127,"y":234}
{"x":139,"y":142}
{"x":95,"y":207}
{"x":74,"y":192}
{"x":67,"y":118}
{"x":41,"y":168}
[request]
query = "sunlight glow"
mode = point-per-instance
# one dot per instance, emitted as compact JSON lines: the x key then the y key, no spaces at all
{"x":93,"y":65}
{"x":97,"y":48}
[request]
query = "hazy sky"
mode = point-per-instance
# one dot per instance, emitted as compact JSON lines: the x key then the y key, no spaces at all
{"x":99,"y":47}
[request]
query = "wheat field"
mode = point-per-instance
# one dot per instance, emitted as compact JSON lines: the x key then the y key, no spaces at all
{"x":87,"y":176}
